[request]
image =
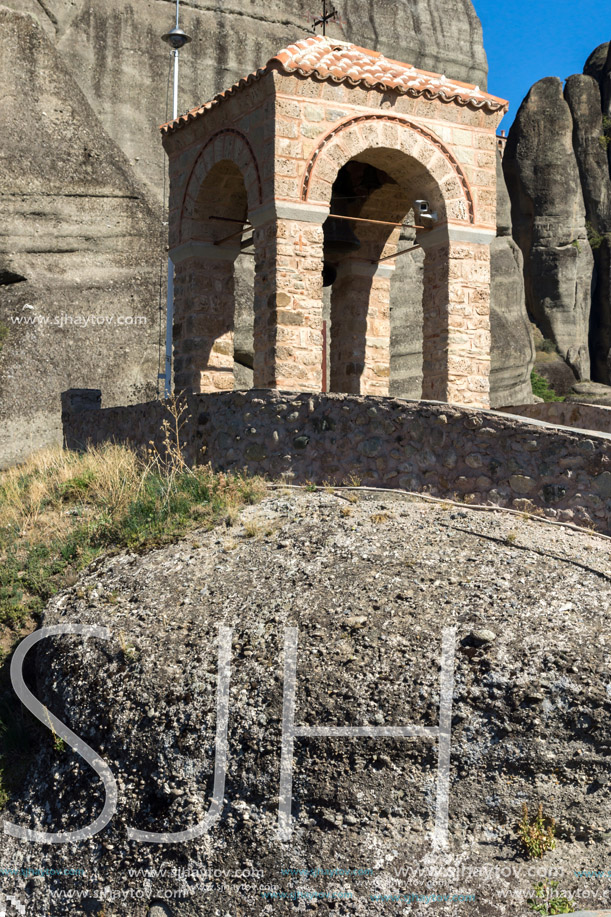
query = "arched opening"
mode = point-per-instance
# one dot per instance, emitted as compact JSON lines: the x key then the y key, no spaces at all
{"x":214,"y":284}
{"x":374,"y":200}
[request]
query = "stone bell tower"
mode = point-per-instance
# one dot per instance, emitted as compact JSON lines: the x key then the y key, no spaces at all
{"x":312,"y":165}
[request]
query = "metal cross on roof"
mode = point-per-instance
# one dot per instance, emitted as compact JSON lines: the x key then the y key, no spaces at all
{"x":325,"y":18}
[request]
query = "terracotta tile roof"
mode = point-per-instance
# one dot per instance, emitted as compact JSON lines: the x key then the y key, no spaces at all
{"x":342,"y":62}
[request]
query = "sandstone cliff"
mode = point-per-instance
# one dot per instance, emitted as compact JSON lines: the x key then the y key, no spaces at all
{"x":557,"y":166}
{"x":114,"y":50}
{"x":78,"y":250}
{"x":513,"y":349}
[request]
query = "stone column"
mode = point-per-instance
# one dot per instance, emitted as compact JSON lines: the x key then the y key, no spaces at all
{"x":360,"y":329}
{"x":456,"y":317}
{"x":288,"y":339}
{"x":204,"y":305}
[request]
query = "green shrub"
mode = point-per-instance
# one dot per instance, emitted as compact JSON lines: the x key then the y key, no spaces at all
{"x":536,"y":836}
{"x":542,"y":389}
{"x":596,"y":238}
{"x":605,"y":137}
{"x":547,"y":901}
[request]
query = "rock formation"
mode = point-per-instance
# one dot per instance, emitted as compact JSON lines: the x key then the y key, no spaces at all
{"x":598,"y":65}
{"x":549,"y":221}
{"x":584,"y":99}
{"x":113,"y":48}
{"x":558,"y":169}
{"x":512,"y":350}
{"x":530,"y":719}
{"x":79,"y":269}
{"x":406,"y":321}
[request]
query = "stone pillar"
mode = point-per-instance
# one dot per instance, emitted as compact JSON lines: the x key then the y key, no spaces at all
{"x":288,"y":341}
{"x":204,"y":305}
{"x":456,"y":318}
{"x":360,"y":329}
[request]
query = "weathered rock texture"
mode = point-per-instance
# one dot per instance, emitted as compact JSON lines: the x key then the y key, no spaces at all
{"x":557,"y":164}
{"x":584,"y":99}
{"x":78,"y":248}
{"x":406,"y":320}
{"x":444,"y":450}
{"x":114,"y":50}
{"x":512,"y":350}
{"x":568,"y":413}
{"x":530,"y":718}
{"x":549,"y":220}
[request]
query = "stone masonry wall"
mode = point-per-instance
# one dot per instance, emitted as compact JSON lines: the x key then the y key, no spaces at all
{"x":439,"y":449}
{"x":567,"y":414}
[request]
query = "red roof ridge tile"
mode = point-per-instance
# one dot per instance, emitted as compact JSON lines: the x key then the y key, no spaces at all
{"x":341,"y":61}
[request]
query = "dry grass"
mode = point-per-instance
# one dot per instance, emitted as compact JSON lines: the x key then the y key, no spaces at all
{"x":381,"y":518}
{"x":59,"y":510}
{"x":40,"y":496}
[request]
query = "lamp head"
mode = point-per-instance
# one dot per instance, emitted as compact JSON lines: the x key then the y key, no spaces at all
{"x":176,"y":39}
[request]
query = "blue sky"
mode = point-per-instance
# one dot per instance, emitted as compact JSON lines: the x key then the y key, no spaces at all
{"x":526,"y":41}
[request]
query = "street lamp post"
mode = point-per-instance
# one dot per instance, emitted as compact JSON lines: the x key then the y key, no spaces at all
{"x":176,"y":39}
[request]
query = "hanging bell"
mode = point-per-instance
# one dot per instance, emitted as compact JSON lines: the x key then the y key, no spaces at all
{"x":329,"y":274}
{"x":339,"y":239}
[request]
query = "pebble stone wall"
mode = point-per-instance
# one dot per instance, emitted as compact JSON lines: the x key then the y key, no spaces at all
{"x":472,"y":455}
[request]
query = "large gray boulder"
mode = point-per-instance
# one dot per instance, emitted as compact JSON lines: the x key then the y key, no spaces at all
{"x":605,"y":87}
{"x":78,"y":250}
{"x":596,"y":62}
{"x":530,"y":718}
{"x":513,"y":349}
{"x":549,"y":221}
{"x":406,"y":319}
{"x":582,"y":94}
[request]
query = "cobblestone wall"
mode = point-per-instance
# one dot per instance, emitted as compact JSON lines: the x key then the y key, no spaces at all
{"x":439,"y":449}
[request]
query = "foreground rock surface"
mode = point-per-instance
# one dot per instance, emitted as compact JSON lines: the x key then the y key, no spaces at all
{"x":370,"y":585}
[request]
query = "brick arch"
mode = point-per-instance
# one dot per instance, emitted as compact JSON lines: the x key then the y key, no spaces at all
{"x":356,"y":135}
{"x":226,"y":144}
